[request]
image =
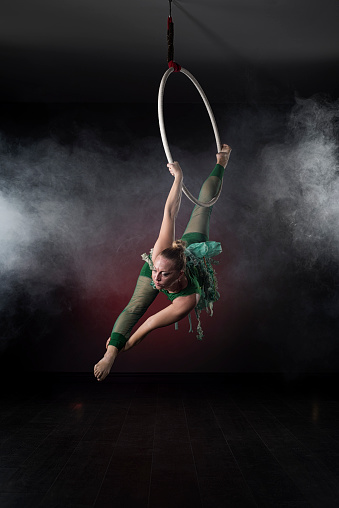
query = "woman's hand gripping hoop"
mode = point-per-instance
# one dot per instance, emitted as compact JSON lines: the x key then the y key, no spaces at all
{"x":163,"y":131}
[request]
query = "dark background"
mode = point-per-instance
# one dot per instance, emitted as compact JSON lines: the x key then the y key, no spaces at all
{"x":84,"y":178}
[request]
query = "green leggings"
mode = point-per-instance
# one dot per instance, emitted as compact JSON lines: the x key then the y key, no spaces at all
{"x":197,"y":230}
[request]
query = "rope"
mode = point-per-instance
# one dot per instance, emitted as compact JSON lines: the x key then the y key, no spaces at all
{"x":170,"y":39}
{"x":163,"y":130}
{"x":170,"y":44}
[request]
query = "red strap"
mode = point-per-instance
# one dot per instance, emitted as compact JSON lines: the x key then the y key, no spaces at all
{"x":169,"y":22}
{"x":175,"y":66}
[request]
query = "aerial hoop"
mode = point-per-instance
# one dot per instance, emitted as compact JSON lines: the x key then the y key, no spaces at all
{"x":163,"y":130}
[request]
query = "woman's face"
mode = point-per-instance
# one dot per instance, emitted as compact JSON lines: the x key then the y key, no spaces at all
{"x":164,"y":274}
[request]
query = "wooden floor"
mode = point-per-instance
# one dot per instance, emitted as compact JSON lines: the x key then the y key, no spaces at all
{"x":170,"y":441}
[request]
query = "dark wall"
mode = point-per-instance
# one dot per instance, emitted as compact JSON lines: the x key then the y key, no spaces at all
{"x":81,"y":197}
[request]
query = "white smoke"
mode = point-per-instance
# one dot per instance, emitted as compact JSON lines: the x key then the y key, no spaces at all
{"x":301,"y":180}
{"x":62,"y":209}
{"x":79,"y":214}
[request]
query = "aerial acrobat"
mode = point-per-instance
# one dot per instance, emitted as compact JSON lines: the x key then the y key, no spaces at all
{"x":181,"y":269}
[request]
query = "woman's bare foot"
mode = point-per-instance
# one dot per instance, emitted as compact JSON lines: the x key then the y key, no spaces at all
{"x":224,"y":155}
{"x":103,"y":367}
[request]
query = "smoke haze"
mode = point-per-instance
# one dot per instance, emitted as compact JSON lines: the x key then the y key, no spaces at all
{"x":77,"y":212}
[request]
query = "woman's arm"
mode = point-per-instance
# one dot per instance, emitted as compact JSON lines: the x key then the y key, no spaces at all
{"x":176,"y":311}
{"x":172,"y":205}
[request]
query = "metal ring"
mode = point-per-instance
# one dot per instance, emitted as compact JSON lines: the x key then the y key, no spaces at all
{"x":163,"y":130}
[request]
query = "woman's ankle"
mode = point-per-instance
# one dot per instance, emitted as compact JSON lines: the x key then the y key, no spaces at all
{"x":111,"y":352}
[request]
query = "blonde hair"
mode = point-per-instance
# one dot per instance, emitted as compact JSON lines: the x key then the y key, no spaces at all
{"x":176,"y":254}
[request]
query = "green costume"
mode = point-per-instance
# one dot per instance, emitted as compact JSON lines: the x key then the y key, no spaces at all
{"x":200,"y":276}
{"x":199,"y":271}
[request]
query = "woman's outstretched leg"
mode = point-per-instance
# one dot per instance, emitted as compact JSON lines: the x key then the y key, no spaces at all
{"x":144,"y":294}
{"x":197,"y":229}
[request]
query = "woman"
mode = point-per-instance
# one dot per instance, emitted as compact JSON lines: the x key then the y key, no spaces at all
{"x":185,"y":275}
